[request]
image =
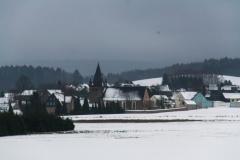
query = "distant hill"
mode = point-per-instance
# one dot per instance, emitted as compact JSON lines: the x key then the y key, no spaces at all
{"x":39,"y":77}
{"x":224,"y":66}
{"x":47,"y":77}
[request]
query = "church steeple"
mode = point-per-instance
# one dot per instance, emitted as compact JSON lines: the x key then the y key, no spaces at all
{"x":98,"y":77}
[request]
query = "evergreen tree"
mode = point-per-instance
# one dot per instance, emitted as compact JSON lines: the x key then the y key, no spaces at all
{"x":23,"y":83}
{"x":59,"y":109}
{"x":1,"y":94}
{"x":85,"y":106}
{"x":10,"y":110}
{"x":165,"y":80}
{"x":64,"y":109}
{"x":77,"y":78}
{"x":77,"y":106}
{"x":35,"y":107}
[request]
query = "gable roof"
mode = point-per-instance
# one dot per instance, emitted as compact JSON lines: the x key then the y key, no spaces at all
{"x":231,"y":95}
{"x":28,"y":92}
{"x":124,"y":93}
{"x":53,"y":91}
{"x":159,"y":97}
{"x":60,"y":98}
{"x":3,"y":100}
{"x":188,"y":95}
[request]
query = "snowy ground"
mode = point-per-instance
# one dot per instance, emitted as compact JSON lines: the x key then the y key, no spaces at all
{"x":233,"y":79}
{"x":158,"y":81}
{"x":218,"y":113}
{"x":141,"y":141}
{"x":149,"y":82}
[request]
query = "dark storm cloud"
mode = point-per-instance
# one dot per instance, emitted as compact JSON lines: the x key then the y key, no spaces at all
{"x":167,"y":31}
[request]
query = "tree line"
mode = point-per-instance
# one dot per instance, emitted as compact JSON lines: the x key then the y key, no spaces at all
{"x":47,"y":77}
{"x":12,"y":77}
{"x":227,"y":66}
{"x":99,"y":108}
{"x":34,"y":120}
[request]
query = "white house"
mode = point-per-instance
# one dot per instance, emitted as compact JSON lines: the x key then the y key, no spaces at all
{"x":232,"y":97}
{"x":185,"y":99}
{"x":4,"y":104}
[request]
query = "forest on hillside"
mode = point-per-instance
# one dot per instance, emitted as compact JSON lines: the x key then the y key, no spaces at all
{"x":225,"y":66}
{"x":46,"y":77}
{"x":18,"y":77}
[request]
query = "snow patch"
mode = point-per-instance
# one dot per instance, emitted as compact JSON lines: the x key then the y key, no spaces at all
{"x":149,"y":82}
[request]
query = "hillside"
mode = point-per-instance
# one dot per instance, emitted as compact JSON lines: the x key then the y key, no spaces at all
{"x":224,"y":66}
{"x":36,"y":77}
{"x":49,"y":77}
{"x":158,"y":81}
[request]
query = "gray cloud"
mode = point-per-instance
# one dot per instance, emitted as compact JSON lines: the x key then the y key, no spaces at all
{"x":166,"y":31}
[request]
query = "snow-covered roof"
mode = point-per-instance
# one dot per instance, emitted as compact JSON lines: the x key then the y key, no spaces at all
{"x":188,"y":95}
{"x":227,"y":87}
{"x":53,"y":91}
{"x":8,"y":95}
{"x":156,"y":97}
{"x":60,"y":98}
{"x":124,"y":94}
{"x":165,"y":88}
{"x":149,"y":82}
{"x":3,"y":100}
{"x":4,"y":104}
{"x":231,"y":95}
{"x":82,"y":86}
{"x":189,"y":102}
{"x":159,"y":97}
{"x":28,"y":92}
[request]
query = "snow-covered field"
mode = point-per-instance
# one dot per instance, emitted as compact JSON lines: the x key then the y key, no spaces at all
{"x":158,"y":81}
{"x":149,"y":82}
{"x":233,"y":79}
{"x":128,"y":141}
{"x":218,"y":113}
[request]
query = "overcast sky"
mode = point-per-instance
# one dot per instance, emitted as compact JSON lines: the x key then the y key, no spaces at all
{"x":164,"y":31}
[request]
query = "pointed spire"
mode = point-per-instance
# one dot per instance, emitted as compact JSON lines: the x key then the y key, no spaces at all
{"x":98,"y":78}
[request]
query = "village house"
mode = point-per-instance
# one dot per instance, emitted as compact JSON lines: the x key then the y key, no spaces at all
{"x":231,"y":97}
{"x":56,"y":98}
{"x":50,"y":98}
{"x":184,"y":99}
{"x":192,"y":100}
{"x":202,"y":101}
{"x":4,"y":104}
{"x":23,"y":99}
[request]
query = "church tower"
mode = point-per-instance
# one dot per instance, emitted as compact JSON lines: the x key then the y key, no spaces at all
{"x":96,"y":87}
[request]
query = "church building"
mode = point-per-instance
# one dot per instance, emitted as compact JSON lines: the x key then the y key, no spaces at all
{"x":129,"y":98}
